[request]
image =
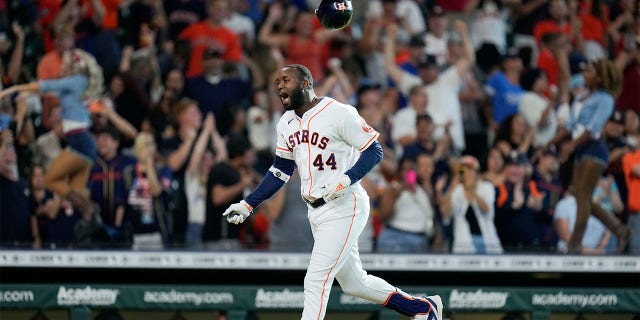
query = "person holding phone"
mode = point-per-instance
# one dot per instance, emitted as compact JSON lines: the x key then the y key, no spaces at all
{"x":470,"y":205}
{"x":407,"y":212}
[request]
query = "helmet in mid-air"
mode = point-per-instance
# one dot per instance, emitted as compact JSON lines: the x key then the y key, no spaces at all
{"x":335,"y":15}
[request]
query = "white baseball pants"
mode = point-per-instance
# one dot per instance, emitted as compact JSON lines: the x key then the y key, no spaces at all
{"x":336,"y":227}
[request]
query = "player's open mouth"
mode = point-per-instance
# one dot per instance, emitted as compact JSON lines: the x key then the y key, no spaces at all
{"x":284,"y":97}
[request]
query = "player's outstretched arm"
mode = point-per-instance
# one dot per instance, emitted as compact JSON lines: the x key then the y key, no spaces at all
{"x":278,"y":175}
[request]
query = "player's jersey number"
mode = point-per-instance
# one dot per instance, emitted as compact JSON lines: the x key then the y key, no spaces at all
{"x":319,"y":162}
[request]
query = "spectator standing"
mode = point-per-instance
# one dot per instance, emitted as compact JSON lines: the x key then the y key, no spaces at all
{"x":489,"y":24}
{"x":44,"y":207}
{"x":227,"y":183}
{"x":215,"y":91}
{"x":517,"y":202}
{"x":437,"y":36}
{"x":15,"y":227}
{"x":469,"y":203}
{"x":442,"y":88}
{"x":177,"y":147}
{"x":536,"y":109}
{"x":195,"y":184}
{"x":514,"y":135}
{"x":403,"y":128}
{"x":547,"y":178}
{"x":552,"y":48}
{"x":211,"y":34}
{"x":503,"y":88}
{"x":407,"y":212}
{"x":110,"y":183}
{"x":560,"y":20}
{"x":146,"y":201}
{"x":495,"y":166}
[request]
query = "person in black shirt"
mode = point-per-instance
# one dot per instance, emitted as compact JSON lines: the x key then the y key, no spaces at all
{"x":227,"y":183}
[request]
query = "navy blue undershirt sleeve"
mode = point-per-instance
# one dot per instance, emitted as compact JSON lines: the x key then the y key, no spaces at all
{"x":270,"y":184}
{"x":369,"y":158}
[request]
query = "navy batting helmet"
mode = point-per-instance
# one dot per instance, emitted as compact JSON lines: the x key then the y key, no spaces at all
{"x":335,"y":14}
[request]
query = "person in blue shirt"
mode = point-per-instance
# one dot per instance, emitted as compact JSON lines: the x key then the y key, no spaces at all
{"x":81,"y":79}
{"x":587,"y":117}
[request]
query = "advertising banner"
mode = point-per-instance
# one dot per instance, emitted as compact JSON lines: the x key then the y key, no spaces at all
{"x":172,"y":297}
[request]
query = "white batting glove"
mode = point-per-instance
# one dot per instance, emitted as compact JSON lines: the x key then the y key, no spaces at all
{"x":336,"y":189}
{"x":238,"y":212}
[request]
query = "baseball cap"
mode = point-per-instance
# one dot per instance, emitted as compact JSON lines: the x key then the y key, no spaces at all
{"x":436,"y":11}
{"x":617,"y":117}
{"x":212,"y":53}
{"x":577,"y":62}
{"x":417,"y":41}
{"x":529,"y":78}
{"x":516,"y":158}
{"x":112,"y":131}
{"x":427,"y":60}
{"x":511,"y":53}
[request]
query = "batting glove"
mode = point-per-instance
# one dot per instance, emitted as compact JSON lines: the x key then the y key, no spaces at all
{"x":336,"y":189}
{"x":238,"y":212}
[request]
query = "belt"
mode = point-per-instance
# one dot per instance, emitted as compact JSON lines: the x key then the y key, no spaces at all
{"x":74,"y":131}
{"x":317,"y":203}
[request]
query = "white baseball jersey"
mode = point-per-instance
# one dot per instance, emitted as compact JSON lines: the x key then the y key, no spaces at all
{"x":324,"y":143}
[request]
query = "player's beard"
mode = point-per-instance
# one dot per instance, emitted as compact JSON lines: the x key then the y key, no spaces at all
{"x":296,"y":99}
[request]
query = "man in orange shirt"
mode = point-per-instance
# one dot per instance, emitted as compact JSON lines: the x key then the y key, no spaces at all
{"x":558,"y":22}
{"x":211,"y":33}
{"x":547,"y":61}
{"x":50,"y":65}
{"x":631,"y":169}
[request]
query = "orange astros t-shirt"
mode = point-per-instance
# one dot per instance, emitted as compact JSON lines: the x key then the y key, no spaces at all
{"x":203,"y":35}
{"x":633,"y":182}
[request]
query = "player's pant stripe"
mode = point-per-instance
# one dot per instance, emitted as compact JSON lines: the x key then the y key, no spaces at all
{"x":353,"y":217}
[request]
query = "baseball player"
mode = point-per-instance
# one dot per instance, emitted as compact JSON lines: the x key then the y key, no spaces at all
{"x":333,"y":148}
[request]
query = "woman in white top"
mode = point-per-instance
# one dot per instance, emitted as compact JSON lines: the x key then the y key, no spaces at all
{"x":407,"y":212}
{"x":469,"y":203}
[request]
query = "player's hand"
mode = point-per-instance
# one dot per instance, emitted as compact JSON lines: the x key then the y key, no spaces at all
{"x":238,"y":212}
{"x":336,"y":189}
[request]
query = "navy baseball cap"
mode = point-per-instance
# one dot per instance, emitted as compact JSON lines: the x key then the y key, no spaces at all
{"x":516,"y":158}
{"x":427,"y":60}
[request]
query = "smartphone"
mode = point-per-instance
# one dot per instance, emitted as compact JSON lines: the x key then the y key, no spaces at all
{"x":411,"y":178}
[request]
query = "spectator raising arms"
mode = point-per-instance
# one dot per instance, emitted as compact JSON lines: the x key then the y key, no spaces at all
{"x":81,"y":78}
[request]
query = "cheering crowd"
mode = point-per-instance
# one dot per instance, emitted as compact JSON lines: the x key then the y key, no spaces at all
{"x":507,"y":126}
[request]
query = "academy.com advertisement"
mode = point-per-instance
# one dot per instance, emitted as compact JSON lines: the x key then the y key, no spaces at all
{"x":87,"y":296}
{"x":477,"y":299}
{"x":187,"y":297}
{"x":574,"y":299}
